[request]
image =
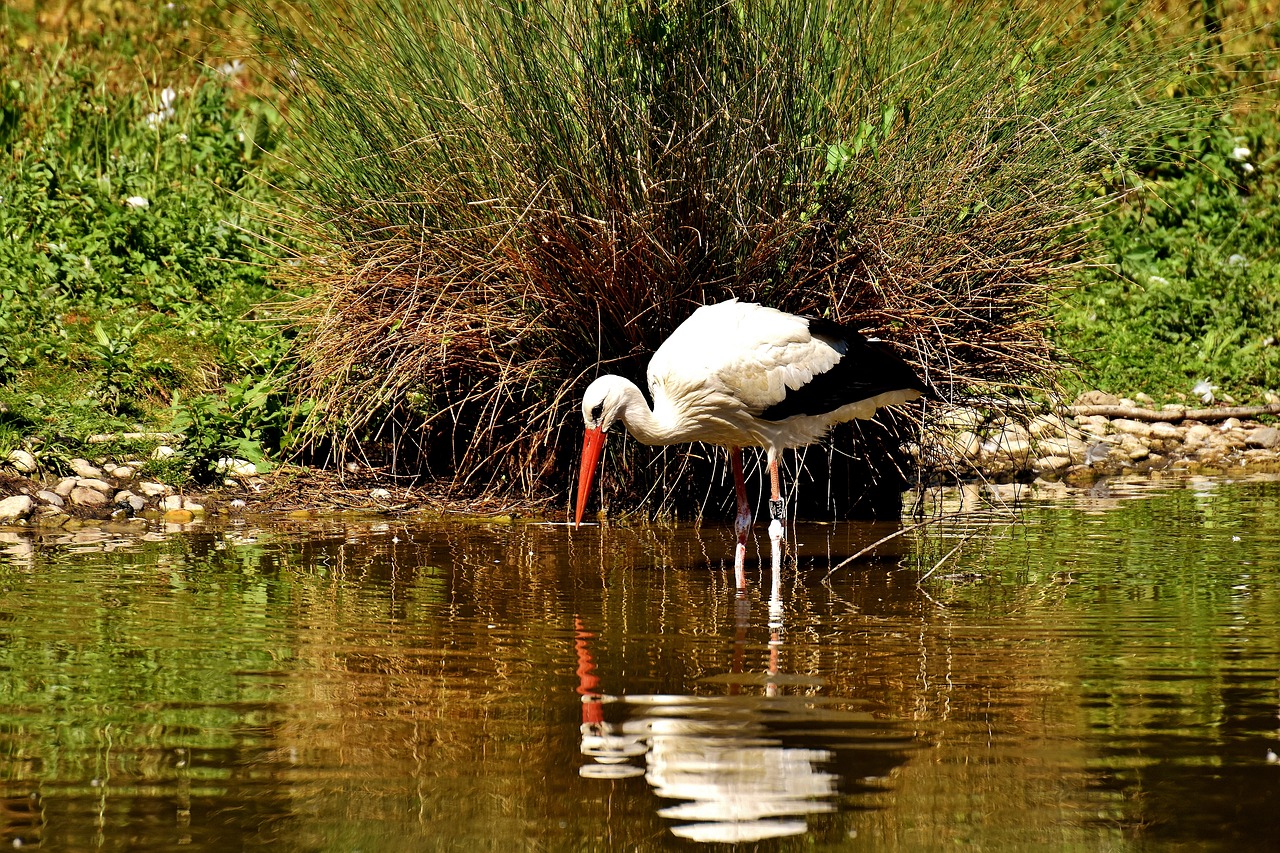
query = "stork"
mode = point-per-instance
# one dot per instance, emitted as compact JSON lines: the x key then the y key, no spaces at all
{"x":737,"y":374}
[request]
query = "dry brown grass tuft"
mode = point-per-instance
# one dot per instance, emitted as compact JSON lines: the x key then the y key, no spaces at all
{"x":516,"y":196}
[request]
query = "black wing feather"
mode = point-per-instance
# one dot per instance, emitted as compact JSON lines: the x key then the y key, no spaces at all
{"x":867,"y":368}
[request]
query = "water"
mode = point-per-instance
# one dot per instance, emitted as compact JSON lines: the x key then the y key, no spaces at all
{"x":1100,"y":673}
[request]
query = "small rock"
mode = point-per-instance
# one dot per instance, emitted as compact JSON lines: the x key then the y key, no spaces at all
{"x":51,"y":498}
{"x":16,"y":508}
{"x":1144,"y":399}
{"x":237,"y":504}
{"x":961,"y":418}
{"x":122,"y":472}
{"x":136,"y":503}
{"x":179,"y":516}
{"x":64,"y":487}
{"x":1130,"y":427}
{"x":192,"y":506}
{"x":234,"y":467}
{"x":82,"y":496}
{"x":1134,"y":447}
{"x":1072,"y":448}
{"x":1265,"y":437}
{"x":22,"y":461}
{"x":1047,"y":426}
{"x":1097,"y":398}
{"x":153,"y":490}
{"x":171,"y":502}
{"x":1167,"y":431}
{"x":95,"y":484}
{"x":1198,"y":432}
{"x":164,"y":451}
{"x":85,"y":468}
{"x":380,"y":495}
{"x":1051,"y":464}
{"x":1229,"y":424}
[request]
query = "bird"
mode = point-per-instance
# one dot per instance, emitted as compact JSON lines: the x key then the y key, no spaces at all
{"x":738,"y":374}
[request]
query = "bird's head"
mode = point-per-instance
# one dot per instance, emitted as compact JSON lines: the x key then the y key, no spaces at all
{"x":601,"y":407}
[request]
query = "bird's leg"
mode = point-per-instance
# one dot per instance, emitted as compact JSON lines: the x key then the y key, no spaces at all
{"x":742,"y":524}
{"x":777,"y":509}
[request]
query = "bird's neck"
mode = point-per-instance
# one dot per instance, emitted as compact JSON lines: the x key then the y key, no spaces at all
{"x":642,"y":423}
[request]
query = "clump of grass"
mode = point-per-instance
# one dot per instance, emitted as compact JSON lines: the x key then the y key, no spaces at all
{"x":506,"y":198}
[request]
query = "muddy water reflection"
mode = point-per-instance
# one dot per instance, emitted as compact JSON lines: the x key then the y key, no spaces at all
{"x":1101,"y":674}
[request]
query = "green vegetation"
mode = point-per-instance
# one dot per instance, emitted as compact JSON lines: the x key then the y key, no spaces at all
{"x":475,"y":203}
{"x":131,"y":282}
{"x":1190,"y":289}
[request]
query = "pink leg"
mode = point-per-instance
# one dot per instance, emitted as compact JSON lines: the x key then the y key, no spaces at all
{"x":777,"y":509}
{"x":742,"y":524}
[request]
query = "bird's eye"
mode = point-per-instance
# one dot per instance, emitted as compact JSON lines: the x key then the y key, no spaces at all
{"x":597,"y":412}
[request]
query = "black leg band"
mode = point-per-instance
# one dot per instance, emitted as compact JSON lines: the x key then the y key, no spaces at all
{"x":777,"y":510}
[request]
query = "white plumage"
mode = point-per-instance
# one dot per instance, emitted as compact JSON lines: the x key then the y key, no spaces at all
{"x":736,"y":374}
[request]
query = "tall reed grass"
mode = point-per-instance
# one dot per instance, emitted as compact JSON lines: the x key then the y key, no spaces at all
{"x":506,"y":198}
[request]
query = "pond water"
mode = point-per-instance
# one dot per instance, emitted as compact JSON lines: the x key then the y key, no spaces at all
{"x":1096,"y":673}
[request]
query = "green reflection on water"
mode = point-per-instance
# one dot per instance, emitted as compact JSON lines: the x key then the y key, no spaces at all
{"x":1100,"y":673}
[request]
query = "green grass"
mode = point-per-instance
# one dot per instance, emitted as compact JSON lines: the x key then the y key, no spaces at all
{"x":131,"y":279}
{"x":1188,"y":284}
{"x":945,"y":190}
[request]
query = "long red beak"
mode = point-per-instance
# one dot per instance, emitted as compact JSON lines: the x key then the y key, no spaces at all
{"x":592,"y":444}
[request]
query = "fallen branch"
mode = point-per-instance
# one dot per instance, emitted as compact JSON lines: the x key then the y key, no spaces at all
{"x":1174,"y":415}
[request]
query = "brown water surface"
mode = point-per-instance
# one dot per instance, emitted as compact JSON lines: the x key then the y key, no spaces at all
{"x":1099,"y":674}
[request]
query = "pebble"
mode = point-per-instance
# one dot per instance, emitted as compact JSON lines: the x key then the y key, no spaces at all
{"x":64,"y":487}
{"x":51,"y":498}
{"x":380,"y":495}
{"x":95,"y":484}
{"x":171,"y":502}
{"x":164,"y":451}
{"x":122,"y":472}
{"x":153,"y":490}
{"x":1264,"y":437}
{"x":86,"y":469}
{"x":22,"y":461}
{"x":16,"y":508}
{"x":82,"y":496}
{"x":179,"y":516}
{"x":233,"y":467}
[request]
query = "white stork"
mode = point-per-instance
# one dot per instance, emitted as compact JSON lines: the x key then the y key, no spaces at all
{"x":736,"y":374}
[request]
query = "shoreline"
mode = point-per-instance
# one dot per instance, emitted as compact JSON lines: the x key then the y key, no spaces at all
{"x":1100,"y":437}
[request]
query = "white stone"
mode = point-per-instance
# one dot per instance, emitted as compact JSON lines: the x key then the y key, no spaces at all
{"x":95,"y":484}
{"x":85,"y":468}
{"x":1051,"y":464}
{"x":22,"y":461}
{"x":171,"y":502}
{"x":1131,"y":427}
{"x":88,"y":497}
{"x":1047,"y":426}
{"x":16,"y":508}
{"x":122,"y":472}
{"x":234,"y":467}
{"x":237,"y":504}
{"x":136,"y":503}
{"x":65,"y":485}
{"x":51,"y":498}
{"x":153,"y":490}
{"x":164,"y":451}
{"x":1167,"y":431}
{"x":380,"y":495}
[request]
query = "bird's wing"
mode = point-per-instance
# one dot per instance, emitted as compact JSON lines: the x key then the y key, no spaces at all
{"x":773,"y":364}
{"x":750,"y":353}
